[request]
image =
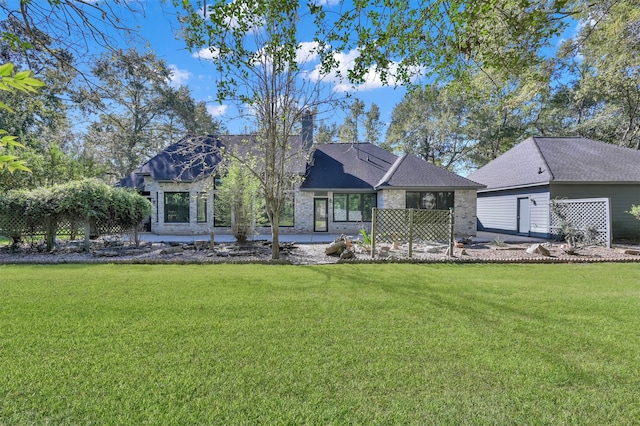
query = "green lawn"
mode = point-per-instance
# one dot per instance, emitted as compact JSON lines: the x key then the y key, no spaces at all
{"x":334,"y":344}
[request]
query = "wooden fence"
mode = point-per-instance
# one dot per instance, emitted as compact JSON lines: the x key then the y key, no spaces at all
{"x":411,"y":226}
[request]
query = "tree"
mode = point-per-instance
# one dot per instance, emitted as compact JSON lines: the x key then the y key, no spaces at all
{"x":22,"y":82}
{"x":129,"y":102}
{"x":357,"y":119}
{"x":500,"y":114}
{"x":61,"y":27}
{"x":348,"y":132}
{"x":325,"y":133}
{"x":372,"y":125}
{"x":184,"y":115}
{"x":39,"y":118}
{"x":47,"y":37}
{"x":429,"y":123}
{"x":447,"y":40}
{"x":606,"y":50}
{"x":139,"y":113}
{"x":239,"y":194}
{"x":256,"y":49}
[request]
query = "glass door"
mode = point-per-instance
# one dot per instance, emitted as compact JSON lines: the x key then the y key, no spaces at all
{"x":320,"y":215}
{"x":523,"y":216}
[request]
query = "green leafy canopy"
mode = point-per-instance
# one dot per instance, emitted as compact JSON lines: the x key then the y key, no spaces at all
{"x":23,"y":82}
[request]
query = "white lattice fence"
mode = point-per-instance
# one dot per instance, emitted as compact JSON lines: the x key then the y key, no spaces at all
{"x":584,"y":214}
{"x":411,"y":225}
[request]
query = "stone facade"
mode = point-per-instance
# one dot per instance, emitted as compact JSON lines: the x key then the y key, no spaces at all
{"x":465,"y":213}
{"x":303,"y":213}
{"x":465,"y":210}
{"x":392,"y":199}
{"x":195,"y":189}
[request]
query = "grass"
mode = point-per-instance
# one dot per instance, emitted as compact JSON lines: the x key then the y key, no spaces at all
{"x":335,"y":344}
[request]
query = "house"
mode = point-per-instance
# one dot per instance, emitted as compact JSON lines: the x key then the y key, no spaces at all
{"x":341,"y":183}
{"x":180,"y":183}
{"x":522,"y":182}
{"x":344,"y":181}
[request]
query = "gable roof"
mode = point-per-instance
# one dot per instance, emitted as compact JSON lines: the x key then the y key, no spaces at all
{"x":543,"y":160}
{"x":196,"y":157}
{"x":366,"y":166}
{"x":410,"y":171}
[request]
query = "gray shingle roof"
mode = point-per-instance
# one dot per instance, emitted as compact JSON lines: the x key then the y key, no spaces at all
{"x":347,"y":166}
{"x":195,"y":157}
{"x":542,"y":160}
{"x":369,"y":167}
{"x":410,"y":171}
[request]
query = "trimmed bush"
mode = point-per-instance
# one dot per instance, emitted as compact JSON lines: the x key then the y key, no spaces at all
{"x":87,"y":201}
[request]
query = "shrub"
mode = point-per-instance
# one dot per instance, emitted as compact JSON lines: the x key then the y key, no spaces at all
{"x":85,"y":201}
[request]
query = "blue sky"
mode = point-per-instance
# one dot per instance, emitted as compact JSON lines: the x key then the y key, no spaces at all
{"x":159,"y":26}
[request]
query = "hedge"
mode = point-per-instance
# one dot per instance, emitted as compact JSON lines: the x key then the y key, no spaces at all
{"x":85,"y":202}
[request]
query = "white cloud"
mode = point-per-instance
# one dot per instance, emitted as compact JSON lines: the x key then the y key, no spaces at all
{"x":217,"y":110}
{"x":327,"y":2}
{"x":207,"y":53}
{"x":178,"y":77}
{"x":307,"y":52}
{"x":372,"y":79}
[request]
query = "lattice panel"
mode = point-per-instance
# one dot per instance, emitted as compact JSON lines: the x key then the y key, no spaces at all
{"x":10,"y":226}
{"x":583,"y":214}
{"x":399,"y":225}
{"x":18,"y":226}
{"x":391,"y":225}
{"x":431,"y":225}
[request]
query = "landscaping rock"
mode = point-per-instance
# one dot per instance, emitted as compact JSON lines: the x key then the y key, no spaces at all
{"x":538,"y":248}
{"x":336,"y":248}
{"x":106,"y":253}
{"x":347,"y":254}
{"x":171,"y":250}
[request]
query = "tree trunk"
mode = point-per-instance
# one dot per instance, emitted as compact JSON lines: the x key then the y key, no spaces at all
{"x":51,"y":226}
{"x":275,"y":235}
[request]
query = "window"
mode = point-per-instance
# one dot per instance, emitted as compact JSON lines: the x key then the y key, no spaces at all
{"x":176,"y":207}
{"x":221,"y":213}
{"x":430,"y":200}
{"x":353,"y":207}
{"x":286,"y":214}
{"x":202,"y":207}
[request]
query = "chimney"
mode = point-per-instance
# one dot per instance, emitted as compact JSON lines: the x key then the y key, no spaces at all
{"x":307,"y":129}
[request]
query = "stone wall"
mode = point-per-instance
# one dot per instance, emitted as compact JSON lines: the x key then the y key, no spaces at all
{"x":465,"y":213}
{"x":303,"y":213}
{"x":392,"y":199}
{"x":195,"y":189}
{"x":464,"y":208}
